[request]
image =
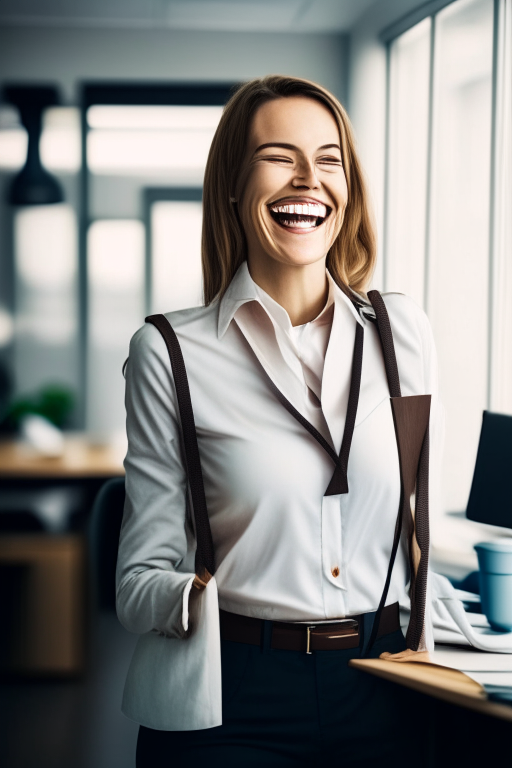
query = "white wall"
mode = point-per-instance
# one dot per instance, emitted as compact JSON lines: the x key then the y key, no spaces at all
{"x":66,"y":56}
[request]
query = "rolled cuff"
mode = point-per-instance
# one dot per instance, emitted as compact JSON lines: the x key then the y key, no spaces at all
{"x":153,"y":600}
{"x":185,"y":604}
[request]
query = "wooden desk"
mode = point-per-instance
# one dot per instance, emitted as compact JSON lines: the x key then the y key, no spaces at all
{"x":443,"y":683}
{"x":79,"y":460}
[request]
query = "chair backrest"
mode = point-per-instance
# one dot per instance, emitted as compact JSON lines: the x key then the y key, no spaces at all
{"x":104,"y":529}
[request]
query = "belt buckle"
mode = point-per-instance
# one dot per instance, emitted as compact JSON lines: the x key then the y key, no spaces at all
{"x":349,"y":623}
{"x":308,"y":638}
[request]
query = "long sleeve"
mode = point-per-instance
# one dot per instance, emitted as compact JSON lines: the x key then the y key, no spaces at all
{"x":156,"y":550}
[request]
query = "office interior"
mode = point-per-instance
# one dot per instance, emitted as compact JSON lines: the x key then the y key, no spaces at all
{"x":107,"y":111}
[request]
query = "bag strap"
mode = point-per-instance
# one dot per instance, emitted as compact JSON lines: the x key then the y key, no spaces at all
{"x":205,"y":559}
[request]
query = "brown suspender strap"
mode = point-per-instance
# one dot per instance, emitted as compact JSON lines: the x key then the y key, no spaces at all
{"x":411,"y":419}
{"x":204,"y":553}
{"x":338,"y":482}
{"x":422,"y":530}
{"x":386,"y":340}
{"x":313,"y":431}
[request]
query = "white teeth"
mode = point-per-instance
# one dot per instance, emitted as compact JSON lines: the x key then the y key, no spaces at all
{"x":297,"y":224}
{"x":302,"y":209}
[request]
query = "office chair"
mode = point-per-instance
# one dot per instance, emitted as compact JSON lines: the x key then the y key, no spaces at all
{"x":104,"y":529}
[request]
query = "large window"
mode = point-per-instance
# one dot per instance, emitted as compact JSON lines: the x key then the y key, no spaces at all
{"x":124,"y":244}
{"x":173,"y":219}
{"x":448,"y":234}
{"x":408,"y":150}
{"x":145,"y":149}
{"x":458,"y":253}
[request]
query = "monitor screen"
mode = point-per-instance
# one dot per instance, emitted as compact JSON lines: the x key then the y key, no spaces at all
{"x":490,"y":499}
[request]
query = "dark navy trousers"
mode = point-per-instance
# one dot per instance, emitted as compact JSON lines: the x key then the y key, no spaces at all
{"x":289,"y":709}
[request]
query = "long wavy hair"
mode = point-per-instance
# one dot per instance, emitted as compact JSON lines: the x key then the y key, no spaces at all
{"x":351,"y":258}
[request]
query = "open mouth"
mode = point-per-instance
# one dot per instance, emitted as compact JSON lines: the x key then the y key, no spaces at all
{"x":299,"y":216}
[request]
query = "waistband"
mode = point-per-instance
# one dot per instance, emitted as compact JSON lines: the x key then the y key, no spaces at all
{"x":308,"y":637}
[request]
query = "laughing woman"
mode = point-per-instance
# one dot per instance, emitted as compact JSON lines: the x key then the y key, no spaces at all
{"x":293,"y":516}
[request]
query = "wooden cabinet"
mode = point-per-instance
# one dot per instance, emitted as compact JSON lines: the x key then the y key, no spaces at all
{"x":44,"y":580}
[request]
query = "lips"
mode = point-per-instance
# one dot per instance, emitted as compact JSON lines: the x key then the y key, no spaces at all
{"x":299,"y":214}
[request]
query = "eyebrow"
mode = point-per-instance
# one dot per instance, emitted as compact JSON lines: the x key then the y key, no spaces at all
{"x":292,"y":146}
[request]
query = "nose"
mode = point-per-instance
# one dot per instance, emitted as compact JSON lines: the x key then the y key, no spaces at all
{"x":305,"y":176}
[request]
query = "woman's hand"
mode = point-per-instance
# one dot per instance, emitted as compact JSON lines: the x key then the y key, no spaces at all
{"x":200,"y":582}
{"x":198,"y":586}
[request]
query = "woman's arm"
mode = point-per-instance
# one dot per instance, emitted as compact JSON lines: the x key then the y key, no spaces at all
{"x":155,"y":568}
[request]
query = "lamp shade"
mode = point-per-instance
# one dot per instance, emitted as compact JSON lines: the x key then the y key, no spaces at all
{"x":33,"y":185}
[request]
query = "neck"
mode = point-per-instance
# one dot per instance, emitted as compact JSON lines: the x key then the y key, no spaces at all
{"x":302,"y":291}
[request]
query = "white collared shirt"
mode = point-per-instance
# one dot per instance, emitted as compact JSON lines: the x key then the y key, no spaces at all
{"x":308,"y":341}
{"x":284,"y":551}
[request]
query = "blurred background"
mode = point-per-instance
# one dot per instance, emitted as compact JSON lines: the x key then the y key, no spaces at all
{"x":107,"y":111}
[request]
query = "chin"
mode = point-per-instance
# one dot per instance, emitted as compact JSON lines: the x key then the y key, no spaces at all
{"x":299,"y":257}
{"x":300,"y":252}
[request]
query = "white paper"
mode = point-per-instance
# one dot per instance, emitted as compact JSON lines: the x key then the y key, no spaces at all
{"x":492,"y":679}
{"x":470,"y":660}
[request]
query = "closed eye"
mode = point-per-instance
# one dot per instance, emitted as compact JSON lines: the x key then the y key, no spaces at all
{"x":329,"y":160}
{"x":275,"y":158}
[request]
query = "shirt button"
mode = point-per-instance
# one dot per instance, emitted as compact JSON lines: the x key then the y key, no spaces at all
{"x":335,"y":572}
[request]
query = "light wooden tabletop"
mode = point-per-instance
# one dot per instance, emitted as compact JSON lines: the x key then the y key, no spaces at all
{"x":440,"y":682}
{"x":80,"y":459}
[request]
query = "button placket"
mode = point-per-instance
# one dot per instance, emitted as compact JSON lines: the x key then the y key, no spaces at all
{"x":332,"y":556}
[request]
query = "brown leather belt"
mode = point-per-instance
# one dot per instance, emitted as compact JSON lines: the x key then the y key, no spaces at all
{"x":286,"y":636}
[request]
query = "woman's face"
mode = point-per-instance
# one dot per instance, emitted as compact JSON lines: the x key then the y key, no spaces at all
{"x":293,"y":190}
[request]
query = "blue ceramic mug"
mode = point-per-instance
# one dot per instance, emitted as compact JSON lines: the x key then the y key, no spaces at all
{"x":495,"y":564}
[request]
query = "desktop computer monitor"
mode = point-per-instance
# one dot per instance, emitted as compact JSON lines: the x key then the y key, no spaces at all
{"x":490,"y":499}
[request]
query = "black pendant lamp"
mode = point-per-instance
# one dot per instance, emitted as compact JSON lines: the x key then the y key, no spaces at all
{"x":33,"y":185}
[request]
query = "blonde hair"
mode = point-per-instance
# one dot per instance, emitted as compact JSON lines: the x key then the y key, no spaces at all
{"x":351,"y":258}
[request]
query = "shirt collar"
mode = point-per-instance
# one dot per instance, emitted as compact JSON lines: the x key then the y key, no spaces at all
{"x":243,"y":289}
